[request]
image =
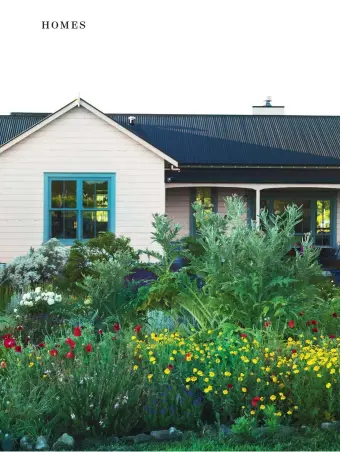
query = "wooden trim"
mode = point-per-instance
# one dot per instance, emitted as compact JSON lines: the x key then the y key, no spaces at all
{"x":99,"y":114}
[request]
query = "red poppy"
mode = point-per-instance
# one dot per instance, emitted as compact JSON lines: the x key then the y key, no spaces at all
{"x":6,"y":336}
{"x":9,"y":343}
{"x":313,"y":322}
{"x":27,"y":340}
{"x":17,"y":348}
{"x":70,"y":355}
{"x":334,"y":314}
{"x":267,"y":324}
{"x":88,"y":348}
{"x":332,"y":336}
{"x":301,"y":313}
{"x":77,"y":331}
{"x":170,"y":367}
{"x":243,"y":335}
{"x":138,"y":328}
{"x":41,"y":345}
{"x":116,"y":326}
{"x":53,"y":352}
{"x":100,"y":331}
{"x":255,"y":400}
{"x":230,"y":386}
{"x":70,"y":342}
{"x":291,"y":324}
{"x":20,"y":328}
{"x":314,"y":330}
{"x":293,"y":351}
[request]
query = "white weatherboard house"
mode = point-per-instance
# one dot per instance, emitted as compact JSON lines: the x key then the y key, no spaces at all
{"x":78,"y":171}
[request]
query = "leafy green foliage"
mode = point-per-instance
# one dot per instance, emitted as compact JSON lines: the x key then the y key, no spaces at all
{"x":105,"y":287}
{"x":84,"y":254}
{"x":248,"y":270}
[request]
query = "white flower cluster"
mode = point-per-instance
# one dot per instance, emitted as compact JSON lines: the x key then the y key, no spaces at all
{"x":32,"y":298}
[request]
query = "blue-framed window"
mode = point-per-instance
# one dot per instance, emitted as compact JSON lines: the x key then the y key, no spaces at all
{"x":78,"y":206}
{"x":319,"y":215}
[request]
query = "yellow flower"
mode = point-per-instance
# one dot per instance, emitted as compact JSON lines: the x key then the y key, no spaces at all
{"x":133,"y":338}
{"x":262,"y":407}
{"x":187,"y":387}
{"x":227,"y":374}
{"x":31,"y":364}
{"x":188,"y":379}
{"x":332,"y":371}
{"x":211,"y":374}
{"x":255,"y":360}
{"x":174,"y":352}
{"x":273,"y":397}
{"x":209,"y":331}
{"x":244,"y":389}
{"x":150,"y":353}
{"x":208,"y":389}
{"x":258,"y":380}
{"x":195,"y":370}
{"x":220,"y":333}
{"x":200,"y":373}
{"x":135,"y":367}
{"x":267,"y":369}
{"x":152,"y":359}
{"x":289,"y":412}
{"x":328,"y":385}
{"x":225,"y":392}
{"x":220,"y":348}
{"x":295,"y":407}
{"x":44,"y":376}
{"x":278,"y":413}
{"x":171,"y":358}
{"x":274,"y":379}
{"x":150,"y":376}
{"x":252,"y":412}
{"x":217,"y":360}
{"x":194,"y":378}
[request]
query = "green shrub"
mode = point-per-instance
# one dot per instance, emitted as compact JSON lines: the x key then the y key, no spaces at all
{"x":105,"y":287}
{"x":36,"y":268}
{"x":84,"y":254}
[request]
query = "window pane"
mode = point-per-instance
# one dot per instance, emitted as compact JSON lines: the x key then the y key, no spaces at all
{"x":304,"y":226}
{"x":63,"y":194}
{"x":95,"y":194}
{"x":94,"y":222}
{"x":203,"y":195}
{"x":64,"y":224}
{"x":102,"y":194}
{"x":88,"y":194}
{"x":323,"y":223}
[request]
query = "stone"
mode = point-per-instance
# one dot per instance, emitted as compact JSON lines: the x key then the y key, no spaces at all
{"x":140,"y":438}
{"x":25,"y":443}
{"x":331,"y":425}
{"x":65,"y":442}
{"x":7,"y":443}
{"x":164,"y":435}
{"x":175,"y":433}
{"x":225,"y":430}
{"x":41,"y":443}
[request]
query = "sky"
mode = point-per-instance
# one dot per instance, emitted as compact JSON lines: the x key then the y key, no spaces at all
{"x":179,"y":56}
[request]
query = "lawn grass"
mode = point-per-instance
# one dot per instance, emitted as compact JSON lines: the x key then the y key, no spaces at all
{"x":316,"y":440}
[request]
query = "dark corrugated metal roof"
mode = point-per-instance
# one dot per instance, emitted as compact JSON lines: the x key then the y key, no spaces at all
{"x":223,"y":139}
